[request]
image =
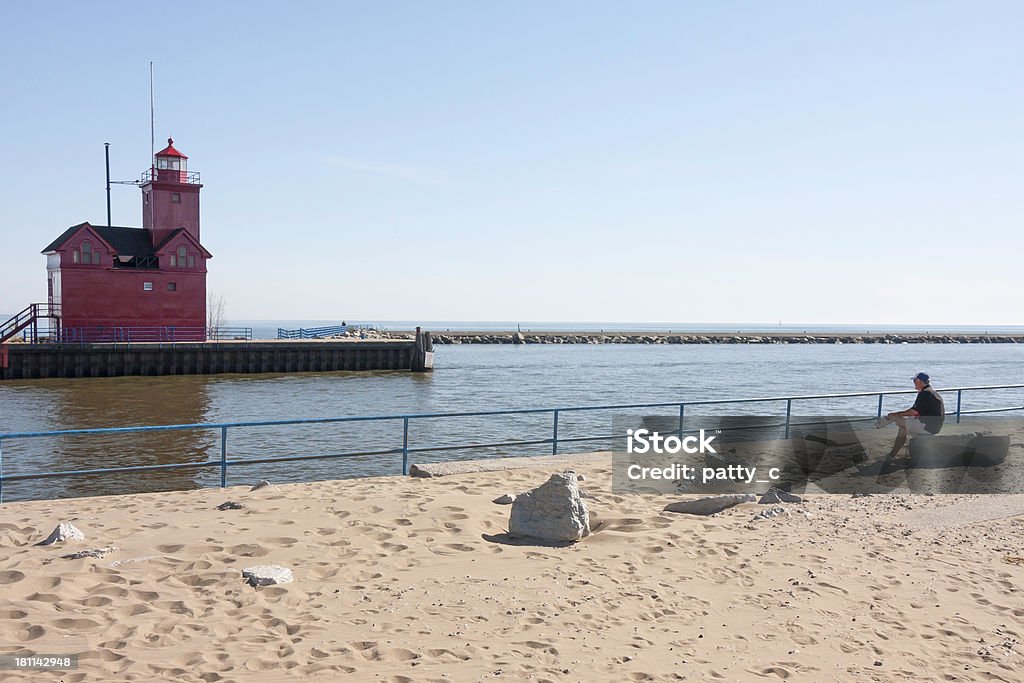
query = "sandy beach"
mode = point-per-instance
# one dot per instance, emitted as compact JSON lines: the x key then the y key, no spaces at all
{"x":406,"y":579}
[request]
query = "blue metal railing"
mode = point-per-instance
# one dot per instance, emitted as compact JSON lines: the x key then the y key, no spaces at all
{"x":223,"y":463}
{"x":148,"y":335}
{"x":318,"y":332}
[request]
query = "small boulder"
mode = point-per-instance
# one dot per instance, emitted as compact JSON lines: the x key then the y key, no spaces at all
{"x":553,"y":511}
{"x":771,"y":512}
{"x":505,"y":499}
{"x":93,"y":552}
{"x":230,"y":505}
{"x":65,"y":531}
{"x":261,"y":484}
{"x":710,"y":505}
{"x":267,"y":575}
{"x":775,"y":495}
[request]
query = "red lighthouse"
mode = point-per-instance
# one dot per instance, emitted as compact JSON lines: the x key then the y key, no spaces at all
{"x":116,"y":283}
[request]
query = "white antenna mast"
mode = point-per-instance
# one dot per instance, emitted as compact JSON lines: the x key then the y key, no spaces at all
{"x":152,"y":121}
{"x":152,"y":148}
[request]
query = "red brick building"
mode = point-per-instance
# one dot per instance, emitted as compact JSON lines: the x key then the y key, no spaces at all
{"x":113,"y":283}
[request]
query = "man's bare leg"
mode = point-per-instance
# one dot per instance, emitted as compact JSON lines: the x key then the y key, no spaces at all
{"x":901,"y":438}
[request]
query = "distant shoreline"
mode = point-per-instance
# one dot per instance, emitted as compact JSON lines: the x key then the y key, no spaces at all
{"x":661,"y":338}
{"x":270,"y":325}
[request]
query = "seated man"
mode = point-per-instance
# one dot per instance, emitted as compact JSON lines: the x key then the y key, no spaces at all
{"x":924,"y":417}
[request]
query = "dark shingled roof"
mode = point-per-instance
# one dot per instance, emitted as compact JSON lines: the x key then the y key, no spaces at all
{"x":125,"y":241}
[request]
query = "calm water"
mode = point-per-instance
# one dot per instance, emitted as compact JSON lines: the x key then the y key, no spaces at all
{"x":467,"y":378}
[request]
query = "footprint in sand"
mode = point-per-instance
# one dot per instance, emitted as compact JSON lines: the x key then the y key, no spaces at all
{"x":461,"y":547}
{"x":30,"y":633}
{"x":446,"y":655}
{"x":96,"y":601}
{"x":133,"y":610}
{"x":75,"y":624}
{"x":286,"y":541}
{"x":247,"y":550}
{"x":170,"y":548}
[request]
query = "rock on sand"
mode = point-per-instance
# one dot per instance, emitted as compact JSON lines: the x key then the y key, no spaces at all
{"x":553,"y":511}
{"x":710,"y":505}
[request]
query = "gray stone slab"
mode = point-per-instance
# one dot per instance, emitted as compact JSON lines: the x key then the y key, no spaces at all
{"x":444,"y":469}
{"x":711,"y":505}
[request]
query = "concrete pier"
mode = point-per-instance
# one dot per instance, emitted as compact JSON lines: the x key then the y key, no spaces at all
{"x":38,"y":361}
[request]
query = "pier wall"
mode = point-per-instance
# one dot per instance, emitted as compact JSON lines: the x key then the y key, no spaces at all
{"x":38,"y":361}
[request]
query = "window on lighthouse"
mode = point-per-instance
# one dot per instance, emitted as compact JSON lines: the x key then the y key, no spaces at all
{"x":182,"y":254}
{"x":88,"y":255}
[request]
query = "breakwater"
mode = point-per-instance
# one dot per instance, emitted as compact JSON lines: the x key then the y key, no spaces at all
{"x":718,"y":338}
{"x":51,"y":360}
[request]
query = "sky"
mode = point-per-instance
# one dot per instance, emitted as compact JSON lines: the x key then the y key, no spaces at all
{"x":712,"y":162}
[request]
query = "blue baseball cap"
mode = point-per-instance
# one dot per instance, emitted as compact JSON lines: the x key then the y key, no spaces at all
{"x":923,"y":376}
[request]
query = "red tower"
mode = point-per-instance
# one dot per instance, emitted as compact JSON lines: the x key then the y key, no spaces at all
{"x":170,"y":195}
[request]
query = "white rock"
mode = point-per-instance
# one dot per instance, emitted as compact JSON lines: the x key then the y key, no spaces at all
{"x":771,"y":512}
{"x":260,"y":484}
{"x":93,"y":552}
{"x":710,"y":505}
{"x":65,"y":531}
{"x":267,"y":575}
{"x":505,"y":499}
{"x":131,"y":560}
{"x":553,"y":511}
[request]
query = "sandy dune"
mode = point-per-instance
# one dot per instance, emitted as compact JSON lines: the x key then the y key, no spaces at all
{"x":413,"y":580}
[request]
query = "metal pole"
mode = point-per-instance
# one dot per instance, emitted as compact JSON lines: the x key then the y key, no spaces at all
{"x":405,"y":446}
{"x":223,"y":457}
{"x":682,"y":412}
{"x":789,"y":411}
{"x":959,"y":397}
{"x":554,"y":434}
{"x":106,"y":152}
{"x":1,"y":471}
{"x":880,"y":396}
{"x":152,"y":149}
{"x":152,"y":121}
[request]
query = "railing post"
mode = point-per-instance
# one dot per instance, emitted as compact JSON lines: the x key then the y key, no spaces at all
{"x":959,"y":398}
{"x":789,"y":411}
{"x":405,"y":446}
{"x":682,"y":412}
{"x":880,"y":396}
{"x":223,"y":457}
{"x":1,"y":470}
{"x":554,"y":434}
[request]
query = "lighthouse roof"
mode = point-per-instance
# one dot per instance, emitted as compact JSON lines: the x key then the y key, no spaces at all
{"x":124,"y":241}
{"x":169,"y":150}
